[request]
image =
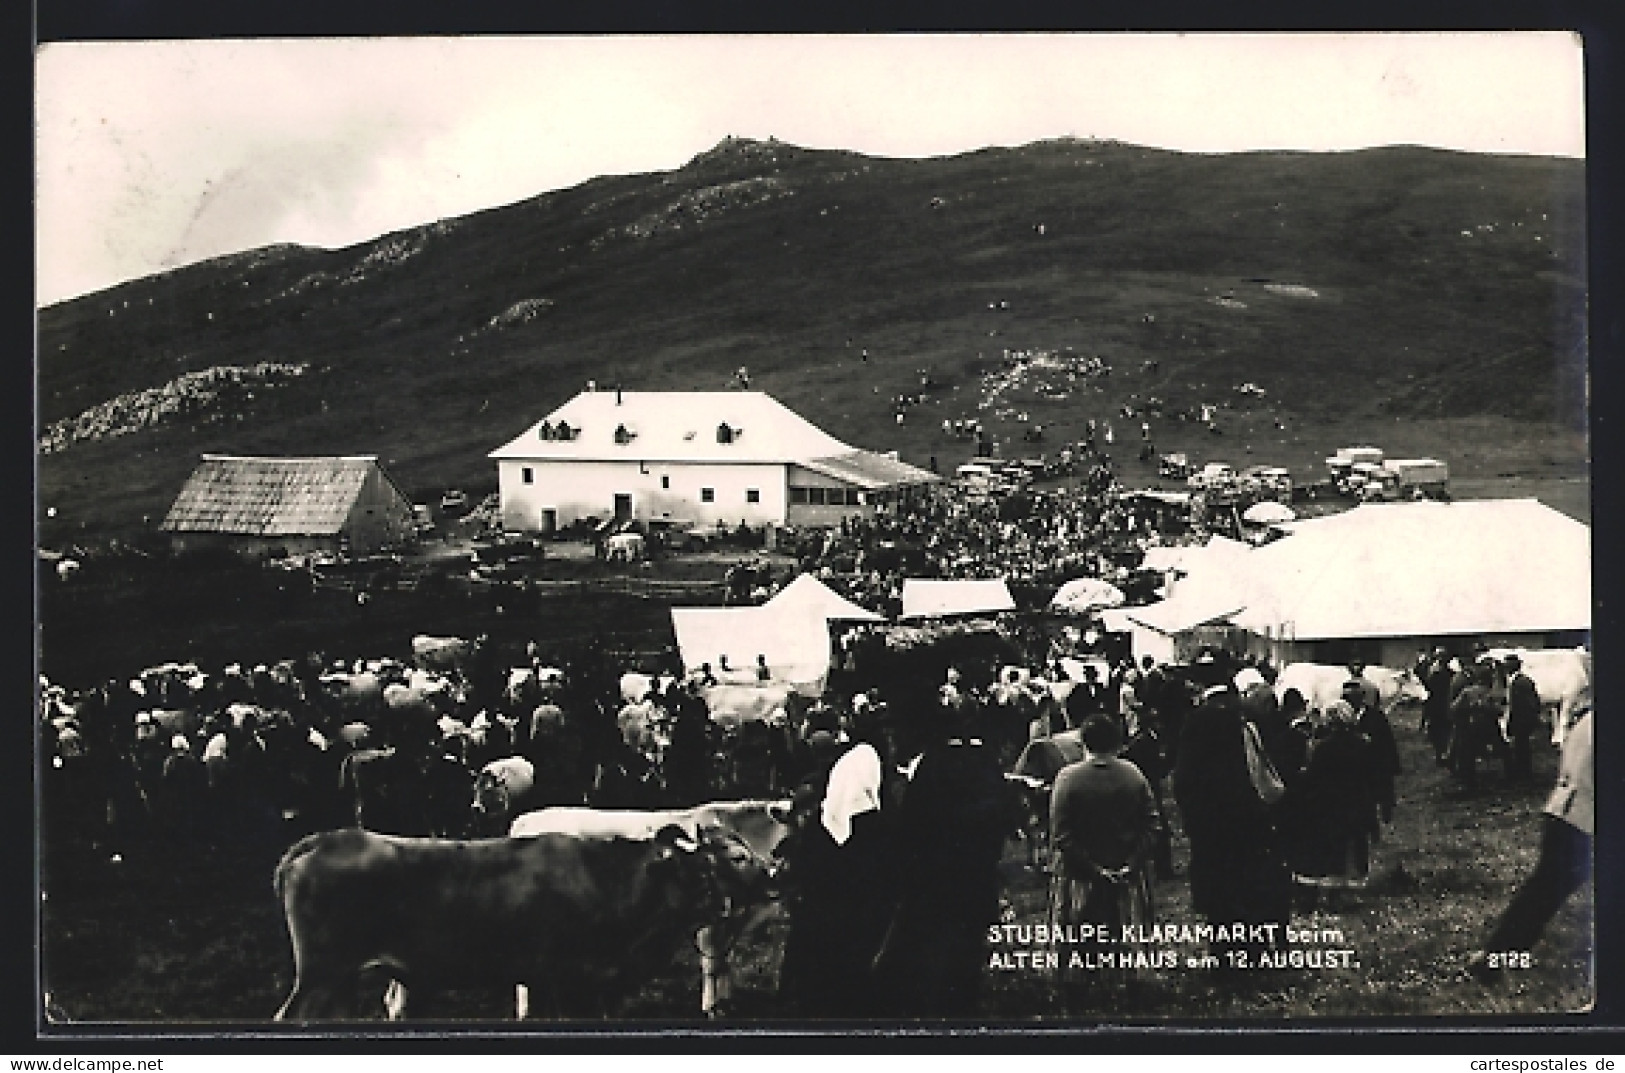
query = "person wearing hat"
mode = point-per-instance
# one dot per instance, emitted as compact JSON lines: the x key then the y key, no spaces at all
{"x":1370,"y":696}
{"x":1372,"y":722}
{"x":1436,"y":678}
{"x":686,"y":761}
{"x":949,"y":831}
{"x":1523,"y":719}
{"x":1474,"y":725}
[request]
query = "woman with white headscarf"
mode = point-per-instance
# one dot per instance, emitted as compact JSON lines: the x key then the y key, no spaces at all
{"x":1335,"y":812}
{"x":841,"y":882}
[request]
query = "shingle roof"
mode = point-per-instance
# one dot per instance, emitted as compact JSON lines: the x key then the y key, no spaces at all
{"x":676,"y":426}
{"x":869,"y":470}
{"x":269,"y":496}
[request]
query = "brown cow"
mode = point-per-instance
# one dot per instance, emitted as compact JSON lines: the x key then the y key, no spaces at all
{"x":758,"y":826}
{"x":581,"y":917}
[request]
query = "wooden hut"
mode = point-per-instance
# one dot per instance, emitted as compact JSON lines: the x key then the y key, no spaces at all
{"x":269,"y":507}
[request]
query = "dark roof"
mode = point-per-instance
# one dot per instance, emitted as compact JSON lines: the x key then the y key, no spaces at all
{"x":269,"y":496}
{"x":869,"y":470}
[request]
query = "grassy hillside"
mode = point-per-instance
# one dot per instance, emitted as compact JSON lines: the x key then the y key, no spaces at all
{"x":1425,"y":300}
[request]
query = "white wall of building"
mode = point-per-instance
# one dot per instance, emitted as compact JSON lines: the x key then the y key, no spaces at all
{"x":578,"y":489}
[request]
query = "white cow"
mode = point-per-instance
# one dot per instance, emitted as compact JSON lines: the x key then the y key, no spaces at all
{"x":734,"y":704}
{"x":628,"y":547}
{"x":1560,"y":676}
{"x":1322,"y":685}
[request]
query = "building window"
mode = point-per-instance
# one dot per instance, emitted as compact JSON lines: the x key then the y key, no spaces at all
{"x":708,"y":495}
{"x":798,"y":495}
{"x":753,"y":495}
{"x":527,"y":475}
{"x":665,"y":480}
{"x":817,"y":496}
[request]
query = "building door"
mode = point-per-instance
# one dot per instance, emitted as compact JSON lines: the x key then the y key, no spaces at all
{"x":550,"y":521}
{"x":623,"y":506}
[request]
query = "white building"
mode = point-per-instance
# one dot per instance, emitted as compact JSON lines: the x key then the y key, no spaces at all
{"x":702,"y":457}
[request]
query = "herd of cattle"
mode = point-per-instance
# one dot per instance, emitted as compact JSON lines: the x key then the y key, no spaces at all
{"x":610,"y":893}
{"x":574,"y":902}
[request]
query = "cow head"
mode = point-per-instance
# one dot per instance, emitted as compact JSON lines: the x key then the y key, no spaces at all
{"x":493,"y":804}
{"x":744,"y":890}
{"x":1411,"y":689}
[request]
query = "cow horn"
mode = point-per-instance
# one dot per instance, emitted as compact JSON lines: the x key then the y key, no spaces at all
{"x":674,"y":836}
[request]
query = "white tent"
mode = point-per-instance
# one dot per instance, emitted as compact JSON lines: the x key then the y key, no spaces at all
{"x":791,"y":631}
{"x":935,"y":597}
{"x":806,"y":595}
{"x":1184,"y":613}
{"x":794,"y":653}
{"x":1482,"y":567}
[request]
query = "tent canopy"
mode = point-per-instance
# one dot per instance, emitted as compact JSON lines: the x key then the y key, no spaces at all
{"x":806,"y":595}
{"x":933,"y":597}
{"x":1183,"y":613}
{"x":1422,"y":569}
{"x":795,"y":654}
{"x":791,"y":631}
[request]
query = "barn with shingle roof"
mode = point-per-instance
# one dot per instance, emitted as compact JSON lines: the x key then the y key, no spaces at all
{"x":268,"y":507}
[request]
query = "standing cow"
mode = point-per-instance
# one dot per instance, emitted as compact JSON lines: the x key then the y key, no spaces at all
{"x":582,"y":918}
{"x":759,"y":825}
{"x":1321,"y":685}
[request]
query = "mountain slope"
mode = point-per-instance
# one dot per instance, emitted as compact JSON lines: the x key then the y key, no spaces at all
{"x":1405,"y":292}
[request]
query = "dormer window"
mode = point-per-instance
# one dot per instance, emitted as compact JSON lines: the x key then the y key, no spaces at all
{"x":623,"y":435}
{"x":562,"y":431}
{"x":545,"y":431}
{"x":725,"y":434}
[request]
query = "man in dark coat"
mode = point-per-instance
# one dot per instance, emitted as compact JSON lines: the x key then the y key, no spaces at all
{"x":1436,"y":677}
{"x":1474,"y":719}
{"x":687,"y":762}
{"x":950,"y":826}
{"x":1523,"y":719}
{"x":1370,"y":721}
{"x":1087,"y":698}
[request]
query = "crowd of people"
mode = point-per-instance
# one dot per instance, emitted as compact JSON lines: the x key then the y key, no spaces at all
{"x":1034,"y":537}
{"x":903,"y":804}
{"x":909,"y":783}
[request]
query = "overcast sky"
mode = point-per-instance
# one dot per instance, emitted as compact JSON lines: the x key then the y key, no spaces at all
{"x":158,"y":154}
